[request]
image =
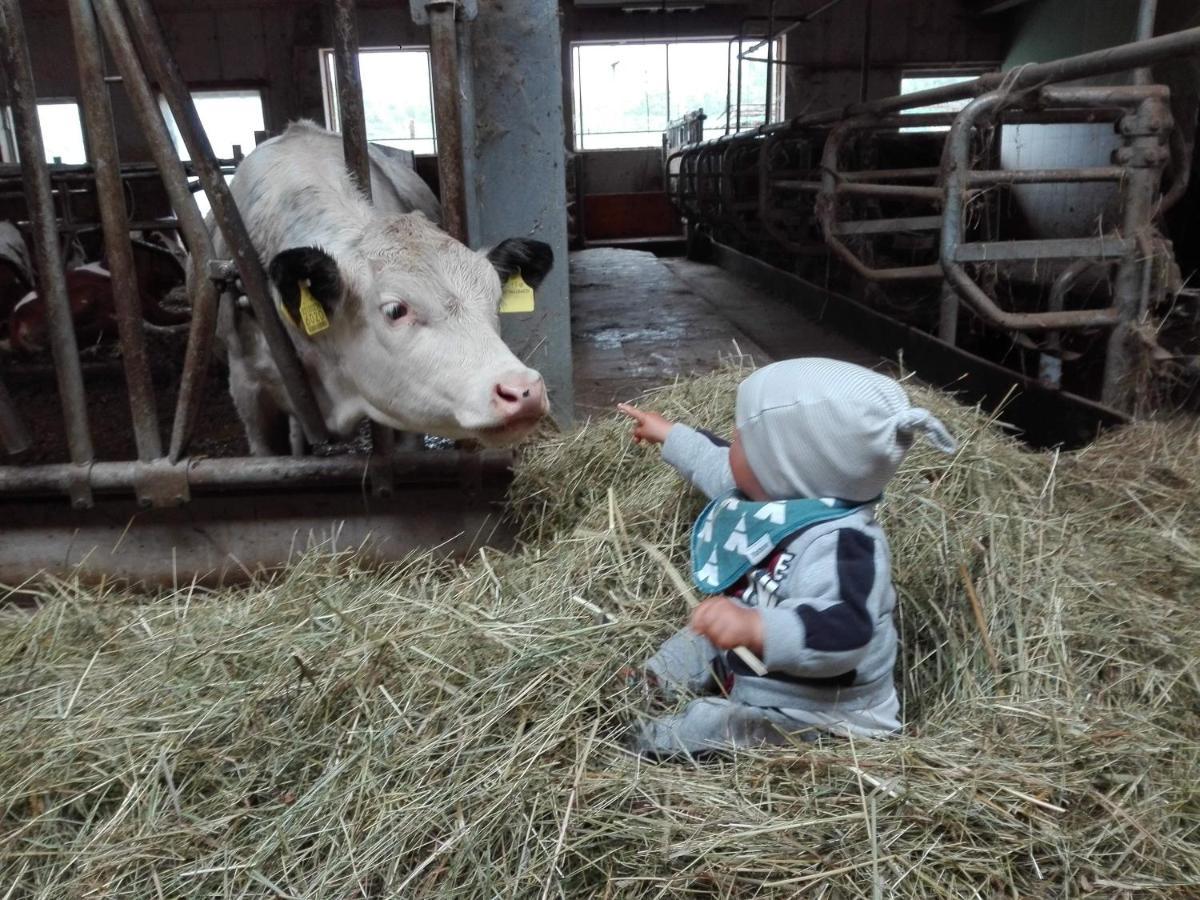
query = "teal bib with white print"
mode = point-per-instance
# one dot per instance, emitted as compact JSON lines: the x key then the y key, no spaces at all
{"x":733,"y":534}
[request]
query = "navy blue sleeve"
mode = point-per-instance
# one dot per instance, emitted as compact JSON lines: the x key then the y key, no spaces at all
{"x":846,"y":625}
{"x":822,"y":624}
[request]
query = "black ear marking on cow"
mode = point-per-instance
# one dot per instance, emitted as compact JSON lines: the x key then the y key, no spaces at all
{"x":532,"y":259}
{"x":290,"y":267}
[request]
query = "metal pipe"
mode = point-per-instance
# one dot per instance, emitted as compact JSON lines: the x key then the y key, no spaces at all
{"x":190,"y":222}
{"x":985,"y":177}
{"x":1147,"y":13}
{"x":826,"y":207}
{"x":770,"y":67}
{"x":351,"y":115}
{"x":958,"y":148}
{"x":156,"y":55}
{"x":358,"y":160}
{"x":741,"y":37}
{"x":864,"y":189}
{"x":868,"y":16}
{"x":110,"y":194}
{"x":1140,"y":193}
{"x":271,"y":472}
{"x":13,"y":432}
{"x":443,"y":56}
{"x":51,"y":279}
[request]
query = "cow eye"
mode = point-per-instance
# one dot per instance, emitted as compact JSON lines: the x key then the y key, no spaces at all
{"x":395,"y":310}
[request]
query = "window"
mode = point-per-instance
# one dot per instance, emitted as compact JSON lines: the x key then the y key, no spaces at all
{"x":913,"y":84}
{"x":62,"y":133}
{"x":229,"y":117}
{"x":397,"y":89}
{"x":625,"y":94}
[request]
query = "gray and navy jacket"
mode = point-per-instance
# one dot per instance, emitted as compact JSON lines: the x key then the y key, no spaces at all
{"x":825,"y":595}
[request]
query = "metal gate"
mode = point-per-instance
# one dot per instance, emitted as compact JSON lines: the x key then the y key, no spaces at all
{"x":923,"y":240}
{"x":182,"y":516}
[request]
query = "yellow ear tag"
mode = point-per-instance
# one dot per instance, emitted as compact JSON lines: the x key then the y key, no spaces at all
{"x":312,"y":314}
{"x":517,"y":296}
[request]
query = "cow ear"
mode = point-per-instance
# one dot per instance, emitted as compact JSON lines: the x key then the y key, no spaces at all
{"x":291,"y":267}
{"x":531,"y":259}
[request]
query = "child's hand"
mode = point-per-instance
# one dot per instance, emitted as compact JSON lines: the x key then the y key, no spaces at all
{"x":728,"y":625}
{"x":651,"y":427}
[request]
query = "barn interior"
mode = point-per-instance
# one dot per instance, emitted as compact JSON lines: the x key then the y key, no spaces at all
{"x":996,"y":201}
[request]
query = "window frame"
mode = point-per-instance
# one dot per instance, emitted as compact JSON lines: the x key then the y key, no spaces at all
{"x":218,"y":87}
{"x":329,"y":99}
{"x":8,"y":131}
{"x":965,"y":72}
{"x":577,"y":133}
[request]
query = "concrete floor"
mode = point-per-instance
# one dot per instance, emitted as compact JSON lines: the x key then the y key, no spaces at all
{"x":638,"y":321}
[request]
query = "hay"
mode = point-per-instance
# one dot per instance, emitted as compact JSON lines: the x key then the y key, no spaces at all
{"x":439,"y":730}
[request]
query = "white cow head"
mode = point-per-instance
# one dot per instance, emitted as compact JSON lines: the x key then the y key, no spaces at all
{"x":414,"y":334}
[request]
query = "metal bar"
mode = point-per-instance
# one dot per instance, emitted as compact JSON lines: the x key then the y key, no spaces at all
{"x":358,"y":161}
{"x":110,"y":193}
{"x":958,"y":164}
{"x":868,"y":16}
{"x":51,"y":279}
{"x":1060,"y":248}
{"x":352,"y":117}
{"x":215,"y":474}
{"x":827,"y":211}
{"x":174,"y":177}
{"x":770,"y":59}
{"x":1143,"y":135}
{"x":741,"y":37}
{"x":190,"y":222}
{"x":913,"y":192}
{"x":890,"y":174}
{"x":443,"y":55}
{"x":13,"y":432}
{"x":1147,"y":13}
{"x":982,"y":177}
{"x":158,"y":59}
{"x":889,"y":226}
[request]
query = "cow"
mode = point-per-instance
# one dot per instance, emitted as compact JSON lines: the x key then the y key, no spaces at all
{"x":405,"y":318}
{"x":16,"y":273}
{"x":93,"y":310}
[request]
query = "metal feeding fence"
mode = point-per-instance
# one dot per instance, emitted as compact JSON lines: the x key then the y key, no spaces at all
{"x":926,"y":233}
{"x":444,"y":496}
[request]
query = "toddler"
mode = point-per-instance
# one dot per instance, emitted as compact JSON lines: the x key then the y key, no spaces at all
{"x":798,"y":569}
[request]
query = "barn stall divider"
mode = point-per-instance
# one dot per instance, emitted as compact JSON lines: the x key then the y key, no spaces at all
{"x":907,"y":228}
{"x":167,"y":516}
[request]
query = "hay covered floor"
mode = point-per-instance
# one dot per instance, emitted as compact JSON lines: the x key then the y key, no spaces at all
{"x":455,"y":731}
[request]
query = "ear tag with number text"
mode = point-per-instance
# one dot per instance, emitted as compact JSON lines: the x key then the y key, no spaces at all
{"x":517,"y":296}
{"x":312,"y":314}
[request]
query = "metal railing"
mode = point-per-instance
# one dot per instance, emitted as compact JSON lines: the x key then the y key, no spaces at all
{"x":804,"y":185}
{"x":165,"y":476}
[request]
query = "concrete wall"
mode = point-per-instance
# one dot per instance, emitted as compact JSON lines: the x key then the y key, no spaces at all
{"x":828,"y":51}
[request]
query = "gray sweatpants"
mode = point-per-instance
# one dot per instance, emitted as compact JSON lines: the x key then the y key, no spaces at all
{"x":685,"y":665}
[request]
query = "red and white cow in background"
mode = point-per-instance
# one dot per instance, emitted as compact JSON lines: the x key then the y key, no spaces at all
{"x":93,"y":309}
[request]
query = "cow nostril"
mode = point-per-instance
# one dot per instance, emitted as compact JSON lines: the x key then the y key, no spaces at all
{"x":526,"y":394}
{"x":507,"y":394}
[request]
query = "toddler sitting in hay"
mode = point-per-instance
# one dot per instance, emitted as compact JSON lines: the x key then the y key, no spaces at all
{"x":798,"y":568}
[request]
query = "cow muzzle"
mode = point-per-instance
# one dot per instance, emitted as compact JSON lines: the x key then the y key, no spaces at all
{"x":518,"y":403}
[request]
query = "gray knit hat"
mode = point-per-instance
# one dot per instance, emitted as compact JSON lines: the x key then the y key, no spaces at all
{"x":822,"y":428}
